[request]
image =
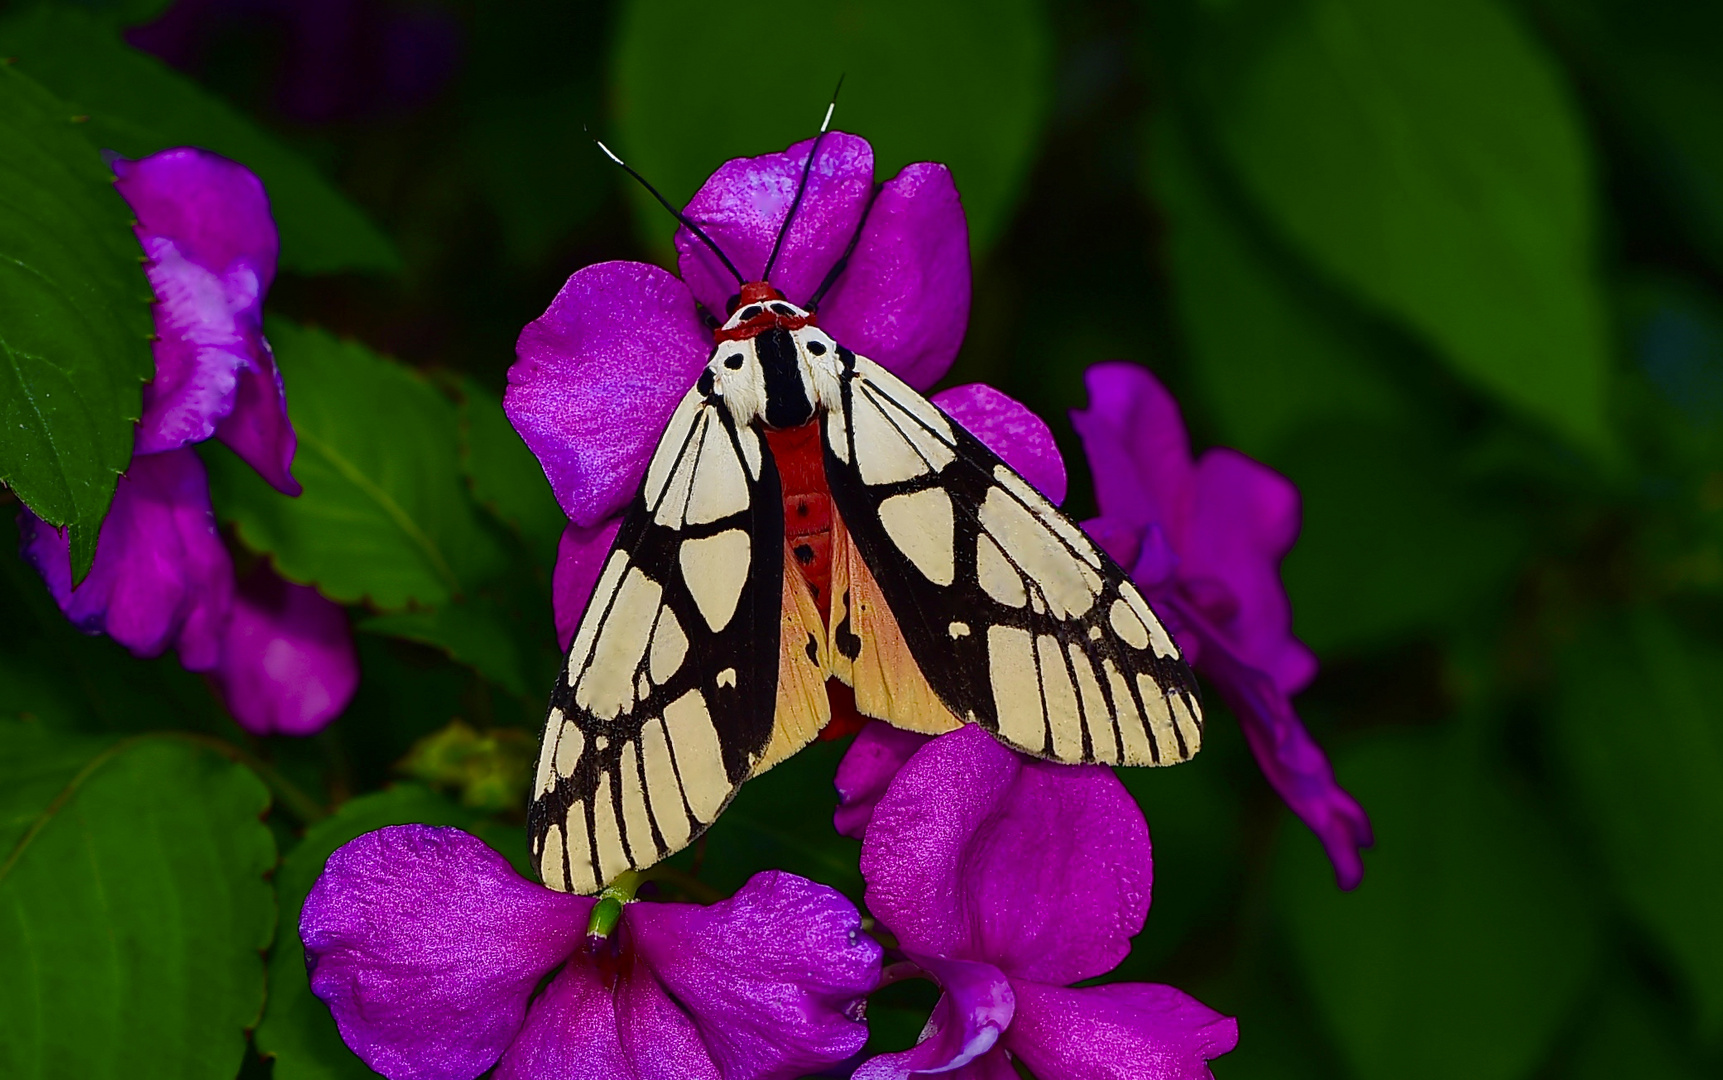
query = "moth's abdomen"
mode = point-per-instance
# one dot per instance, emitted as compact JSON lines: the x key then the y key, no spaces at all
{"x":807,"y":506}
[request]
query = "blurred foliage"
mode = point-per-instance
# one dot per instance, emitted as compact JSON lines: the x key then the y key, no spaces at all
{"x":1455,"y":267}
{"x":488,"y":770}
{"x":135,"y":105}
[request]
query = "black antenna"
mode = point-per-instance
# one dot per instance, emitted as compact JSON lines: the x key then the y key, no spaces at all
{"x":844,"y":259}
{"x":677,"y":214}
{"x":802,"y":188}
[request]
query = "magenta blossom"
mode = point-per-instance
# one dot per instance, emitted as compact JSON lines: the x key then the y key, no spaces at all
{"x":428,"y":950}
{"x":1204,"y":540}
{"x":162,"y":578}
{"x":1006,"y":880}
{"x":599,"y":373}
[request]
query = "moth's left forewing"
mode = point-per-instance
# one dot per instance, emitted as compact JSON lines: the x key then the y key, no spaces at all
{"x":665,"y":703}
{"x":1016,"y":618}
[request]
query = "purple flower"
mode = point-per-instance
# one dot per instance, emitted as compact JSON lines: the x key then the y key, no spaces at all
{"x":1006,"y":880}
{"x":1204,"y":540}
{"x":287,"y":660}
{"x":428,"y":948}
{"x":161,"y":575}
{"x":600,"y":371}
{"x":282,"y":655}
{"x":210,"y":246}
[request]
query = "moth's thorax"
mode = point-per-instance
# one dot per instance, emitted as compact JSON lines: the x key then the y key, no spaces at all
{"x":759,"y":308}
{"x":771,"y":363}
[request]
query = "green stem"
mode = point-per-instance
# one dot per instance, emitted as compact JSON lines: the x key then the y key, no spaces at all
{"x":608,"y":911}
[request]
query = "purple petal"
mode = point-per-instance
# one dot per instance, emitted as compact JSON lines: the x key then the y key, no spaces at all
{"x":1287,"y":755}
{"x":1137,"y":450}
{"x":973,"y":1012}
{"x":977,"y":853}
{"x":903,"y":300}
{"x":742,"y":206}
{"x":425,"y":944}
{"x":210,"y":247}
{"x":1008,"y":428}
{"x":993,"y":1065}
{"x":1244,"y":519}
{"x":160,"y":564}
{"x":773,"y":977}
{"x":597,"y":377}
{"x":1124,"y":1031}
{"x":258,"y":429}
{"x":580,"y":1029}
{"x":287,"y":661}
{"x":866,"y":770}
{"x":1120,"y":540}
{"x":579,"y":560}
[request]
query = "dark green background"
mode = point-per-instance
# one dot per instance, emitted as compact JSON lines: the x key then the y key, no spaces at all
{"x":1455,"y":267}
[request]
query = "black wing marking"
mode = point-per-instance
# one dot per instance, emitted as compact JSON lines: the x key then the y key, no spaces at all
{"x":666,"y":701}
{"x":1017,"y":619}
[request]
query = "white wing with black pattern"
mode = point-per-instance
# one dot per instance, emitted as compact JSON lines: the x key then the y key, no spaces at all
{"x":1017,"y":619}
{"x":666,"y":702}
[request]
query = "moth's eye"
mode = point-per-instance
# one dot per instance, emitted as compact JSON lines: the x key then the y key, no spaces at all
{"x":733,"y":361}
{"x":817,"y":347}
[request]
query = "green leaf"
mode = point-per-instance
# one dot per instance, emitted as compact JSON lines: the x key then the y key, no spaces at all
{"x":71,"y":681}
{"x":1392,"y":546}
{"x":967,"y":85}
{"x":297,"y":1030}
{"x":133,"y":907}
{"x":138,"y":105}
{"x":507,"y":479}
{"x":74,"y":318}
{"x":385,"y":516}
{"x":1638,"y":731}
{"x":478,"y":633}
{"x":1271,"y":354}
{"x":1470,"y":939}
{"x":1427,"y":155}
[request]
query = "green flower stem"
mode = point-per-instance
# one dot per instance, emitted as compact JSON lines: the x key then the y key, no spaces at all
{"x":608,"y":911}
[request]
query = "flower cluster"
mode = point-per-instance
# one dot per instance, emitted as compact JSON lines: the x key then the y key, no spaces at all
{"x":281,"y":655}
{"x":1004,"y":880}
{"x":1204,"y":541}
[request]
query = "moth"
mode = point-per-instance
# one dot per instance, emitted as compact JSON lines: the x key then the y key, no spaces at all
{"x":808,"y":516}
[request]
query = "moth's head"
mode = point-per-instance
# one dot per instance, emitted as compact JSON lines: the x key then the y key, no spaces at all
{"x":771,"y":363}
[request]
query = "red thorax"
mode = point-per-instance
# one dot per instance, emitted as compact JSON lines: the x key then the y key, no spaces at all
{"x":761,"y":294}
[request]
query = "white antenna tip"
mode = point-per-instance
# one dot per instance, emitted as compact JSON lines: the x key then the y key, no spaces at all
{"x":607,"y":151}
{"x":828,"y":120}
